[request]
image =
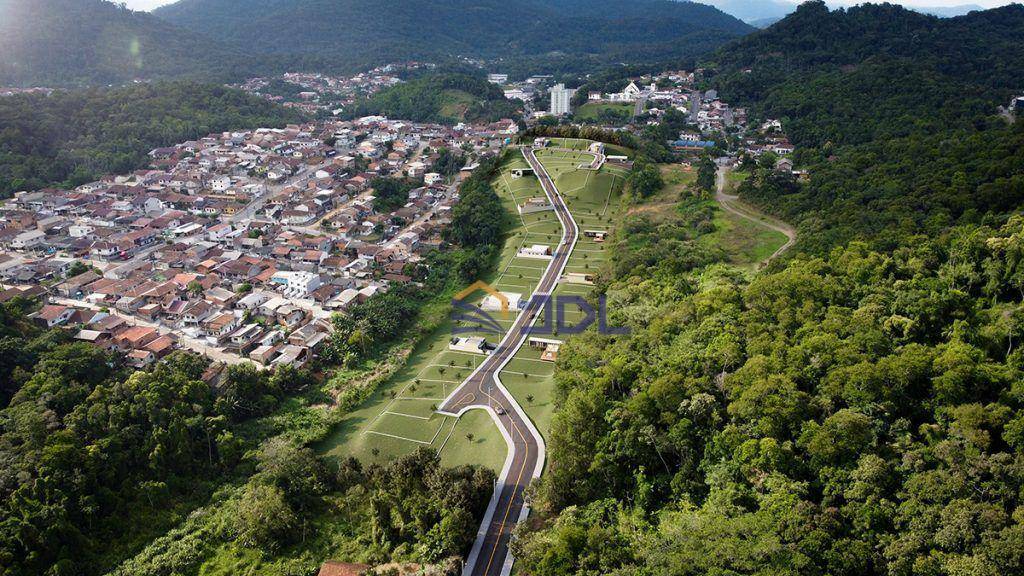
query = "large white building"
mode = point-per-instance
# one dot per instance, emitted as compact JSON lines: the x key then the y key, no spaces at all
{"x":296,"y":284}
{"x":560,"y":97}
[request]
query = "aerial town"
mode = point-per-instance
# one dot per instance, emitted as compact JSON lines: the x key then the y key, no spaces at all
{"x":241,"y":246}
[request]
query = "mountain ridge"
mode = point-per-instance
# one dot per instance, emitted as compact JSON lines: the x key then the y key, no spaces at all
{"x":376,"y":31}
{"x":79,"y":42}
{"x":874,"y":70}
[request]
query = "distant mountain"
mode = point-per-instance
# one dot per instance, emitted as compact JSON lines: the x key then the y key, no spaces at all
{"x":364,"y":32}
{"x":67,"y":42}
{"x":948,"y":11}
{"x":875,"y":71}
{"x":764,"y":22}
{"x":754,"y":11}
{"x":764,"y":13}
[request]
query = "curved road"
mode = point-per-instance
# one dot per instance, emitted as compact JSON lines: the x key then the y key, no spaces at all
{"x":733,"y":204}
{"x":483,"y":390}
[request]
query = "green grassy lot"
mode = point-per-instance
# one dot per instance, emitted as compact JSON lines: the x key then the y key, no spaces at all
{"x":574,"y":143}
{"x":610,"y":112}
{"x":455,"y":103}
{"x":594,"y":198}
{"x":746,"y":243}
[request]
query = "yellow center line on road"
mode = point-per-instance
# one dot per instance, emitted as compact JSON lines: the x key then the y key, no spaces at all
{"x":512,"y":498}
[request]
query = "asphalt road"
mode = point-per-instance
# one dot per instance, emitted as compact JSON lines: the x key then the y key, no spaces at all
{"x":490,"y":553}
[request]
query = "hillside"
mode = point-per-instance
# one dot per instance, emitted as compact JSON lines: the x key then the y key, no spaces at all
{"x":359,"y":32}
{"x":875,"y":71}
{"x":72,"y":42}
{"x":447,"y":98}
{"x":894,"y":114}
{"x":855,"y":408}
{"x":75,"y":136}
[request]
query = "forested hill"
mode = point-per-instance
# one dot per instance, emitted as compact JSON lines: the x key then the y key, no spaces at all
{"x":855,"y":409}
{"x":72,"y":137}
{"x":445,"y":97}
{"x":373,"y":31}
{"x":875,"y":71}
{"x":894,"y":115}
{"x":69,"y":42}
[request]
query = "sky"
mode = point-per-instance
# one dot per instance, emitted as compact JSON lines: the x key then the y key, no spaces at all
{"x":150,"y":4}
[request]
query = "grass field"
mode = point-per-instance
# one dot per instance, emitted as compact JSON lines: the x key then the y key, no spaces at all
{"x":401,"y":416}
{"x":613,"y":112}
{"x":746,"y":243}
{"x":594,"y":198}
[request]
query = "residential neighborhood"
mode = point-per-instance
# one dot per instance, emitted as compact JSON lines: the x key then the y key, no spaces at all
{"x":239,"y":246}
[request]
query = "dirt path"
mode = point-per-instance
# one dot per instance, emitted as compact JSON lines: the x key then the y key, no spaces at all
{"x":734,"y":205}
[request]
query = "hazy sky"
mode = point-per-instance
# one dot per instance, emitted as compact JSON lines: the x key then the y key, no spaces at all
{"x":150,"y":4}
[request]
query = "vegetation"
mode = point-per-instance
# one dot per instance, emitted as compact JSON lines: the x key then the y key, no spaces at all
{"x":442,"y":97}
{"x":97,"y":457}
{"x":875,"y":71}
{"x":94,"y":42}
{"x":616,"y":113}
{"x":529,"y":35}
{"x":391,"y":194}
{"x":853,"y":410}
{"x":70,"y":138}
{"x":448,"y":163}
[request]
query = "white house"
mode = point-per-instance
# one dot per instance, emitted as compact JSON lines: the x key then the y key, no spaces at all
{"x":28,"y":240}
{"x":296,"y":284}
{"x":493,"y":303}
{"x":218,"y":232}
{"x":538,"y":251}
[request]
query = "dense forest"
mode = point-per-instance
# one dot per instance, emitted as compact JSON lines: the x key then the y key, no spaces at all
{"x":73,"y":137}
{"x":562,"y":33}
{"x":874,"y":71}
{"x":96,"y":42}
{"x":853,"y":409}
{"x":441,"y":97}
{"x":77,"y":42}
{"x":96,"y":455}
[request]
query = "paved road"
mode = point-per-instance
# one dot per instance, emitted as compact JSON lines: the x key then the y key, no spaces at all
{"x":483,"y":389}
{"x":733,"y":204}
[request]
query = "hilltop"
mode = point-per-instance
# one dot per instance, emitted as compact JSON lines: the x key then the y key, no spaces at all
{"x":367,"y":31}
{"x":449,"y":98}
{"x":858,"y":74}
{"x":75,"y":42}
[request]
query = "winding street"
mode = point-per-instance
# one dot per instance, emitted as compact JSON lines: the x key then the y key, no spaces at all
{"x":483,"y":390}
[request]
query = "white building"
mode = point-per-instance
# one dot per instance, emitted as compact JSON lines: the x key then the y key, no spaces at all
{"x":508,"y":301}
{"x":27,"y":240}
{"x":560,"y":97}
{"x":296,"y":284}
{"x":538,"y":251}
{"x":497,"y":78}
